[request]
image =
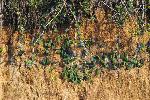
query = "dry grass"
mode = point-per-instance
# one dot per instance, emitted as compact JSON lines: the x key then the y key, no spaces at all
{"x":39,"y":84}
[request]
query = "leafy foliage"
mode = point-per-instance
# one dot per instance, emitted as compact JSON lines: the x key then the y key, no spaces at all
{"x":114,"y":60}
{"x":66,"y":52}
{"x":71,"y":74}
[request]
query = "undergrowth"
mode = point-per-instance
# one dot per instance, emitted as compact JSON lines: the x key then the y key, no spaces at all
{"x":53,"y":17}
